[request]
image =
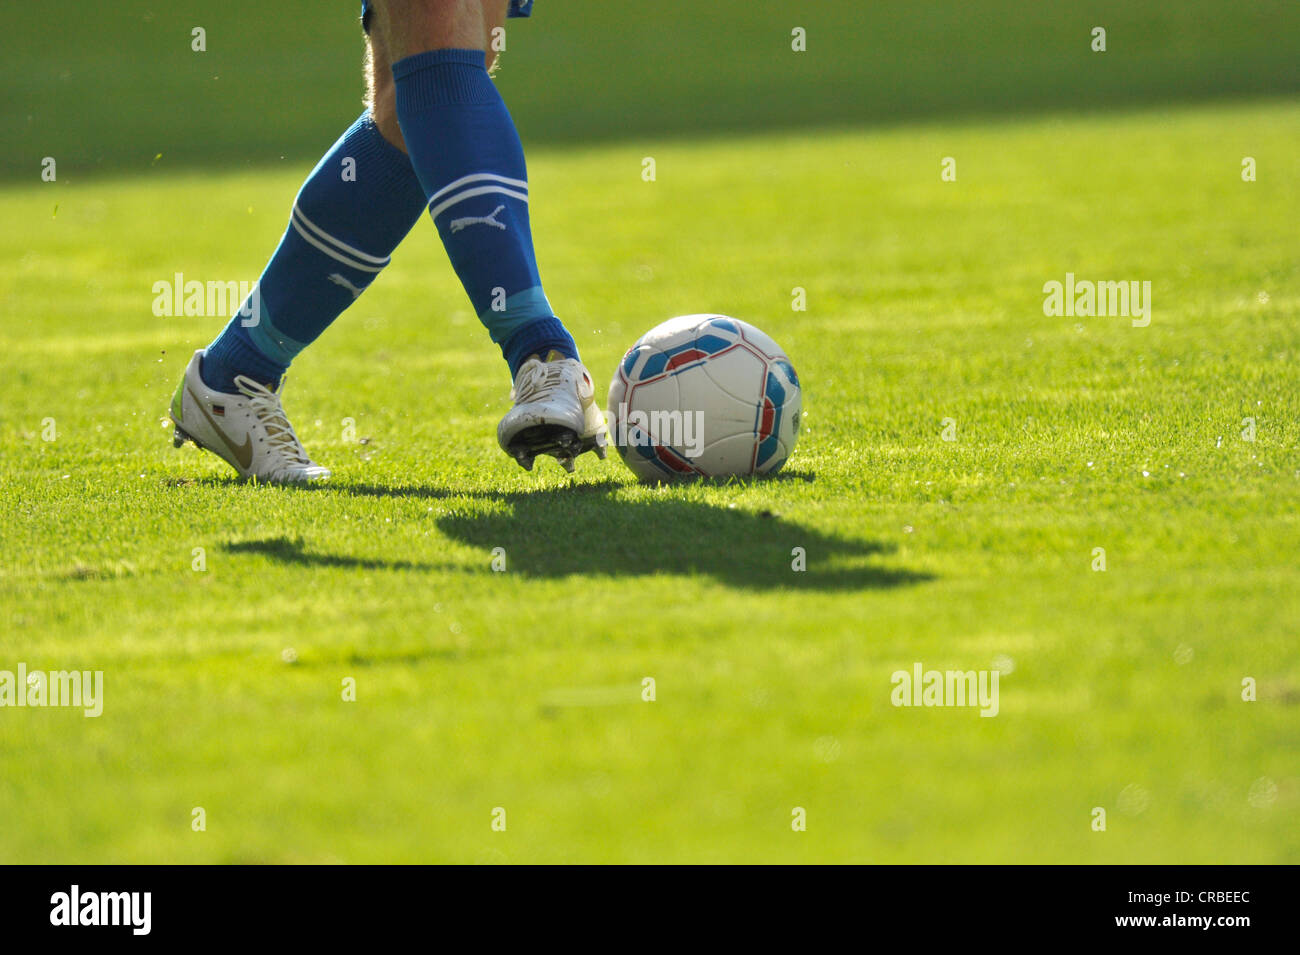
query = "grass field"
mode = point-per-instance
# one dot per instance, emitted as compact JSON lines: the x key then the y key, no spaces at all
{"x":118,"y":87}
{"x":522,"y":689}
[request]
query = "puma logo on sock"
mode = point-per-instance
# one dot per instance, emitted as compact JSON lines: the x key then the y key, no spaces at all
{"x":458,"y":224}
{"x":340,"y":280}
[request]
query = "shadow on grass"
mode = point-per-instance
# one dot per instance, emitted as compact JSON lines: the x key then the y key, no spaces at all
{"x":586,"y":529}
{"x":292,"y":551}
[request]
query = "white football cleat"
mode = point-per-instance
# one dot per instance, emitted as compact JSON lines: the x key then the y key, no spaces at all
{"x":248,"y":430}
{"x":555,"y":413}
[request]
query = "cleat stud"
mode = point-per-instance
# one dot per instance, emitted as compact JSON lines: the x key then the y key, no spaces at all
{"x":567,"y":464}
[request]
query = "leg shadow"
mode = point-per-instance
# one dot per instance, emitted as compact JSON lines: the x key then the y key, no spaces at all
{"x":292,"y":551}
{"x":586,"y":529}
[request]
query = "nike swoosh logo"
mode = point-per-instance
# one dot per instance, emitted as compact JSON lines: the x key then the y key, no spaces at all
{"x":243,"y":454}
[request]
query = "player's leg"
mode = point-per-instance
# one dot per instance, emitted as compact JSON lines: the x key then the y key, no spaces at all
{"x":465,"y":149}
{"x":355,"y":207}
{"x":381,"y":95}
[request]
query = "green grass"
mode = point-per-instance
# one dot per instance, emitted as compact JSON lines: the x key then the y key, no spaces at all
{"x":522,"y":689}
{"x":110,"y":87}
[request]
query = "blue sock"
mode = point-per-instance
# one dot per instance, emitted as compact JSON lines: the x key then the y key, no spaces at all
{"x":466,"y":151}
{"x":356,"y":206}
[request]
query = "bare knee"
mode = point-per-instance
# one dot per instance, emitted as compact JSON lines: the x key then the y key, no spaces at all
{"x":409,"y":27}
{"x":381,"y":94}
{"x":402,"y":28}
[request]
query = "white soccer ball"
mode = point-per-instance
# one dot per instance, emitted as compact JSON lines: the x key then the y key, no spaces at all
{"x":704,"y":395}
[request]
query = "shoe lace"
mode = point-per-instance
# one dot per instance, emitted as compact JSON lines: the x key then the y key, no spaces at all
{"x":537,"y":381}
{"x":270,"y":412}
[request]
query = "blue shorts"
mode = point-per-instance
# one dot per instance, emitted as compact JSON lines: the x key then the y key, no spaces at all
{"x":518,"y":8}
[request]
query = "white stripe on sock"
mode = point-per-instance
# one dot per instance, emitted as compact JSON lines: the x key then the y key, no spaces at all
{"x":476,"y":177}
{"x":469,"y":193}
{"x":350,"y":262}
{"x":342,"y":246}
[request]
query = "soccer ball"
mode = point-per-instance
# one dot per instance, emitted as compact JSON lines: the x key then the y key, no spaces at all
{"x":704,"y":395}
